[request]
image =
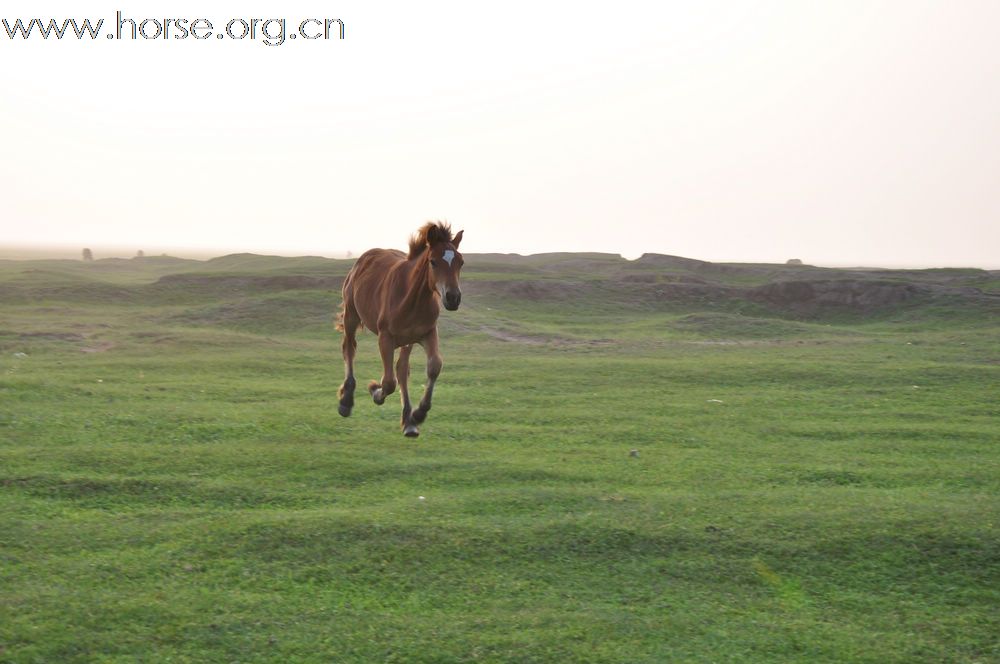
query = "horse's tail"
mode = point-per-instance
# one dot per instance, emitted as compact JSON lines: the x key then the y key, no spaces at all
{"x":339,"y":325}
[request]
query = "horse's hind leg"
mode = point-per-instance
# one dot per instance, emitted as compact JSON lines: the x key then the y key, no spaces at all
{"x":434,"y":364}
{"x":351,"y":322}
{"x":402,"y":377}
{"x":380,"y":390}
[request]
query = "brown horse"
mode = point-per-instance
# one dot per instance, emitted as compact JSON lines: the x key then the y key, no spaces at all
{"x":398,"y":297}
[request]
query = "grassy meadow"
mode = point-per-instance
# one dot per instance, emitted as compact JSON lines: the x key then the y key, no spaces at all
{"x":627,"y":461}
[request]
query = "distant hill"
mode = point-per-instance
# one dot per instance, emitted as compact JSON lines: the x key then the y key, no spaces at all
{"x":580,"y":280}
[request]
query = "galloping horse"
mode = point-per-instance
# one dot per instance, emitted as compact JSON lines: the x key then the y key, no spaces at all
{"x":398,"y":296}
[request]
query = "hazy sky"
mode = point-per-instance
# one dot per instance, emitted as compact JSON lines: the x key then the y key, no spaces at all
{"x":840,"y":132}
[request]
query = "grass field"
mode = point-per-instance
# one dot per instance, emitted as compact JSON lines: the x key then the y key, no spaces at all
{"x":811,"y":481}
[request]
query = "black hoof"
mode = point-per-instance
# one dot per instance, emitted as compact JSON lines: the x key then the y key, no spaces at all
{"x":410,"y":431}
{"x":344,"y":411}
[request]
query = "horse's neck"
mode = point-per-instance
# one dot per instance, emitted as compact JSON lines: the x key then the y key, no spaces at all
{"x":418,"y":295}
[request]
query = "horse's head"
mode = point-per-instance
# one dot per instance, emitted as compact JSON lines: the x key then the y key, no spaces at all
{"x":445,"y":264}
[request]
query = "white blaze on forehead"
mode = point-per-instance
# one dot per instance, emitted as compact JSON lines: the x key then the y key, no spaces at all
{"x":448,"y":256}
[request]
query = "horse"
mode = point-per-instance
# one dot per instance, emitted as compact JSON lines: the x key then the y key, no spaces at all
{"x":398,"y":297}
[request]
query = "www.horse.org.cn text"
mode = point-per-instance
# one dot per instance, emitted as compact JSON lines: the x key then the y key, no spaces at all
{"x":268,"y":31}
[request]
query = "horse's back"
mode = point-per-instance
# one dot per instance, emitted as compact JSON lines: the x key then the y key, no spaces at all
{"x":372,"y":266}
{"x":364,"y":281}
{"x":375,"y":258}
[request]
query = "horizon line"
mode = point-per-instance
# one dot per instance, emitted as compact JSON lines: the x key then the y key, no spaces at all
{"x":73,"y":252}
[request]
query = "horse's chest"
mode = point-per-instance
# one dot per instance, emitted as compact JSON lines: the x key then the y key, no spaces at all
{"x":409,"y":327}
{"x":411,"y":333}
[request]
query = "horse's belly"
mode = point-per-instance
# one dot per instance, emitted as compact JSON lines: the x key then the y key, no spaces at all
{"x":404,"y":335}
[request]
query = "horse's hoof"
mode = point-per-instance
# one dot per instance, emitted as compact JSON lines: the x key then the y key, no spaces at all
{"x":375,"y":390}
{"x":410,"y":431}
{"x":344,"y":411}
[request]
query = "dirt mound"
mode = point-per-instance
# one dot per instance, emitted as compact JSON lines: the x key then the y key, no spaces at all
{"x":249,"y":283}
{"x":671,"y":291}
{"x":655,"y":277}
{"x":635,"y":289}
{"x":855,"y":295}
{"x":538,"y":290}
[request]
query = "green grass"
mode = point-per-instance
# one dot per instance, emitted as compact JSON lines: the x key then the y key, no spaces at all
{"x":175,"y":483}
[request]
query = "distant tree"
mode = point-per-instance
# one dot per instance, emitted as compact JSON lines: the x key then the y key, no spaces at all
{"x":348,"y":253}
{"x":140,"y":253}
{"x":793,"y":261}
{"x":88,"y":255}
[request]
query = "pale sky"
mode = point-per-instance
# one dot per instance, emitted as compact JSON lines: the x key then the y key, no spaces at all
{"x":840,"y":132}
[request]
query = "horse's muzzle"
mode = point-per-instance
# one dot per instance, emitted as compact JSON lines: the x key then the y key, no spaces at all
{"x":452,"y":299}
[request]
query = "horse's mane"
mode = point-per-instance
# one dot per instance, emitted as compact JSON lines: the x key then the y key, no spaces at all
{"x":430,"y":233}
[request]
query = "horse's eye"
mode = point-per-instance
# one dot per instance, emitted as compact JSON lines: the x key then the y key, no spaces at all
{"x":434,"y":263}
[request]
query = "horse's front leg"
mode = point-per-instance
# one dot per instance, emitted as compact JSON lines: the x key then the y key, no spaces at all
{"x":434,"y":364}
{"x":402,"y":376}
{"x":380,"y":390}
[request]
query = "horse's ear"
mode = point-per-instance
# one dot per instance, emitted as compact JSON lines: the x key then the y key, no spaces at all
{"x":457,"y":239}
